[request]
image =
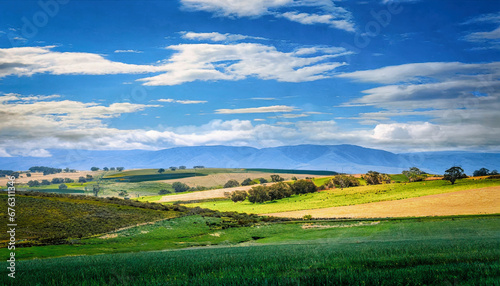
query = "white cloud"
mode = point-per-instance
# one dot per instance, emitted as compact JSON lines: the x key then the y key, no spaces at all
{"x":239,"y":8}
{"x":263,"y":109}
{"x":290,"y":116}
{"x":128,"y":51}
{"x":311,"y":19}
{"x":191,"y":62}
{"x":216,"y":37}
{"x":26,"y":61}
{"x":208,"y":62}
{"x":483,"y":36}
{"x":181,"y":101}
{"x":336,"y":17}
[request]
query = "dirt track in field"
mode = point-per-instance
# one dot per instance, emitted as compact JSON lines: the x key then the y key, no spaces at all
{"x":476,"y":201}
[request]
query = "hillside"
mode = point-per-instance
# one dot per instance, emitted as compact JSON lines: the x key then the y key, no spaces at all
{"x":340,"y":158}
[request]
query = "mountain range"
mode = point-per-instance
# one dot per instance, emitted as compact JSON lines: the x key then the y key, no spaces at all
{"x":339,"y":158}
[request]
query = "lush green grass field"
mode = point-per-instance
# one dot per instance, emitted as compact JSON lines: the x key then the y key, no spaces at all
{"x":427,"y":251}
{"x":350,"y":196}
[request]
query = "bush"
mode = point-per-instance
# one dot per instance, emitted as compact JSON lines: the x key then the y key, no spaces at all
{"x":304,"y":187}
{"x":238,"y":196}
{"x":34,"y":183}
{"x":45,"y":183}
{"x":262,"y":180}
{"x":280,"y":190}
{"x":82,"y":180}
{"x":342,"y":181}
{"x":180,"y":187}
{"x":231,"y":184}
{"x":68,"y":180}
{"x":57,"y":181}
{"x":164,"y":192}
{"x":375,"y":178}
{"x":276,"y":178}
{"x":258,"y":194}
{"x":247,"y":182}
{"x":63,"y":187}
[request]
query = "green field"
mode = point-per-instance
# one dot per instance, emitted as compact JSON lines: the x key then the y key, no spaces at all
{"x":424,"y":251}
{"x":49,"y":218}
{"x":350,"y":196}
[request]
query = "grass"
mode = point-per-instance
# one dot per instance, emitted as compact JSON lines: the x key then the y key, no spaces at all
{"x":426,"y":251}
{"x":350,"y":196}
{"x":48,"y":218}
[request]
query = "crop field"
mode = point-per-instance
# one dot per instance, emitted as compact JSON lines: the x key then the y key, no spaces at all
{"x":431,"y":251}
{"x":475,"y":201}
{"x":351,"y":196}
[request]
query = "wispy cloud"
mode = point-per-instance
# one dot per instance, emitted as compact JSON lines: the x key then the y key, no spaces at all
{"x":128,"y":51}
{"x":170,"y":100}
{"x":312,"y":19}
{"x":216,"y":37}
{"x":336,"y":17}
{"x":208,"y":62}
{"x":190,"y":62}
{"x":263,"y":109}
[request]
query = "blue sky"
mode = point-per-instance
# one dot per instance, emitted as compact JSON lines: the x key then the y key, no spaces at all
{"x":105,"y":75}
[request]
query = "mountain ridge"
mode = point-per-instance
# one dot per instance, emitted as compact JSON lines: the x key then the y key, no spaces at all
{"x":343,"y":158}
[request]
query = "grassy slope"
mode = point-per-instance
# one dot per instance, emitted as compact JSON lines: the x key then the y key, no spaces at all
{"x":393,"y":252}
{"x":47,"y":218}
{"x":350,"y":196}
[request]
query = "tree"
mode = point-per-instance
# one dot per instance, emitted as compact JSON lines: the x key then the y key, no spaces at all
{"x":112,"y":168}
{"x":276,"y":178}
{"x":258,"y":194}
{"x":280,"y":190}
{"x":238,"y":196}
{"x":82,"y":180}
{"x":262,"y":180}
{"x":481,"y":172}
{"x":161,"y":170}
{"x":163,"y":192}
{"x":247,"y":182}
{"x":304,"y":187}
{"x":453,"y":174}
{"x":105,"y":169}
{"x":342,"y":181}
{"x":494,"y":172}
{"x":414,"y":174}
{"x":93,"y":169}
{"x":28,"y":174}
{"x":15,"y":174}
{"x":180,"y":187}
{"x":123,"y":193}
{"x":57,"y":181}
{"x":182,"y":167}
{"x":89,"y":178}
{"x":172,"y":168}
{"x":119,"y":169}
{"x":63,"y":187}
{"x":231,"y":184}
{"x":68,"y":180}
{"x":45,"y":183}
{"x":34,"y":183}
{"x":66,"y":170}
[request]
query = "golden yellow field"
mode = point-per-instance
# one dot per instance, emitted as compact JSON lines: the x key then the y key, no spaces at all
{"x":476,"y":201}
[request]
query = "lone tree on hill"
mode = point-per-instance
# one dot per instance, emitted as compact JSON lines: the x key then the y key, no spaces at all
{"x":454,"y":173}
{"x":161,"y":170}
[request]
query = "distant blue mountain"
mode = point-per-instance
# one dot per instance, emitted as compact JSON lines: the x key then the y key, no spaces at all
{"x":339,"y":158}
